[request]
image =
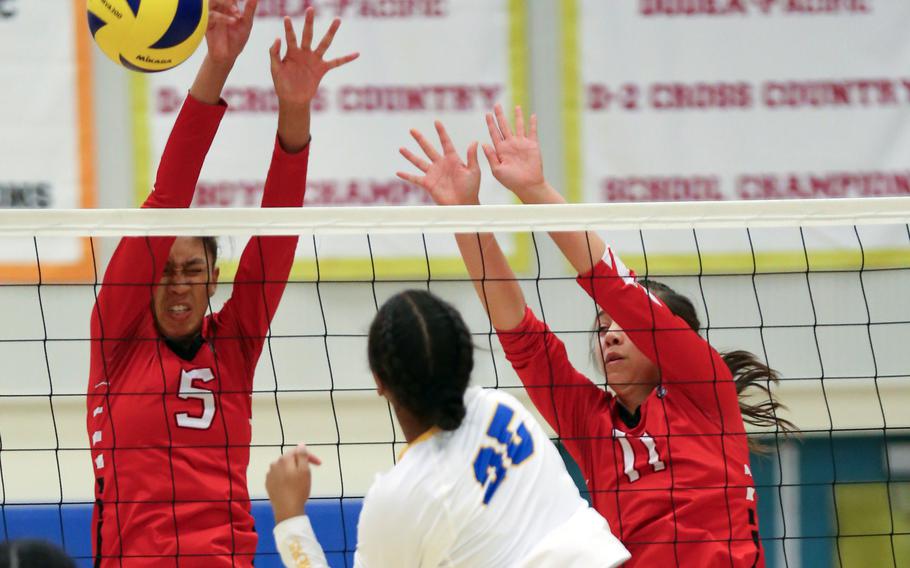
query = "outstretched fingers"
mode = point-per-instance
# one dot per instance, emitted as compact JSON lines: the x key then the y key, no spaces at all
{"x":275,"y":52}
{"x":492,"y":156}
{"x":416,"y":180}
{"x":290,"y":36}
{"x":338,"y":62}
{"x":495,"y":135}
{"x":519,"y":122}
{"x":444,"y":140}
{"x":472,"y":157}
{"x":425,"y":145}
{"x":307,"y":38}
{"x":502,"y":122}
{"x":533,"y":132}
{"x":249,"y":10}
{"x":418,"y":162}
{"x":226,"y":7}
{"x":327,"y":38}
{"x":220,"y":19}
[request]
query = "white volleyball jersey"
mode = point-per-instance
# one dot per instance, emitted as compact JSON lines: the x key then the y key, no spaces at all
{"x":493,"y":492}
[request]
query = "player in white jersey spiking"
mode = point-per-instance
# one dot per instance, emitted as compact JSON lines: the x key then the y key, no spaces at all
{"x":480,"y":484}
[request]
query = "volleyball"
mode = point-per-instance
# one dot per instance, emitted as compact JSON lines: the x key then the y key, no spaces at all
{"x":148,"y":35}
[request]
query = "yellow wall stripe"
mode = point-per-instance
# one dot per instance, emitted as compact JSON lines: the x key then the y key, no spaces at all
{"x":768,"y":263}
{"x":518,"y":52}
{"x":571,"y":99}
{"x":142,"y":141}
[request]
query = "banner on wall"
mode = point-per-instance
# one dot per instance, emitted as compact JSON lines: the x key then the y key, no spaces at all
{"x":736,"y":99}
{"x":450,"y":60}
{"x":46,"y":150}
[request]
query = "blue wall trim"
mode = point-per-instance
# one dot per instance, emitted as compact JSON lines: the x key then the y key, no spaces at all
{"x":70,"y":526}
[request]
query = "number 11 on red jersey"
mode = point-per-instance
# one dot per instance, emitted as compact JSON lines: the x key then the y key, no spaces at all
{"x":628,"y":453}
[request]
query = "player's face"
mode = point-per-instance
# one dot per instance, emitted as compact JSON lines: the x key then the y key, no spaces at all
{"x":624,"y":365}
{"x":182,"y":295}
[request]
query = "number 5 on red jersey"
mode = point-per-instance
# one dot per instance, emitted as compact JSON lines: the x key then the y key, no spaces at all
{"x":190,"y":391}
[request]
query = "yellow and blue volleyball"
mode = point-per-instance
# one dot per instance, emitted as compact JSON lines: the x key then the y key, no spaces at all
{"x":148,"y":35}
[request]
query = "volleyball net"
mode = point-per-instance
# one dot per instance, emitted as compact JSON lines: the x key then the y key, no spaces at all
{"x":817,"y":289}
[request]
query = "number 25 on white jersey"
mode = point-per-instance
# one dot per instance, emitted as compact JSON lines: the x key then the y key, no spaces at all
{"x":507,"y":448}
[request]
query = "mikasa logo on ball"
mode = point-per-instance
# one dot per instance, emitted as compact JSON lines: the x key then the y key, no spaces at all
{"x":148,"y":59}
{"x":148,"y":35}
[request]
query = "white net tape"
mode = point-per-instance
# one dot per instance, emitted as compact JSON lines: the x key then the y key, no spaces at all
{"x":818,"y":289}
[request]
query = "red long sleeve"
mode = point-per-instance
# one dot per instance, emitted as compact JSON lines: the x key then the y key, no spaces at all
{"x":266,"y":261}
{"x":138,"y":262}
{"x":564,"y":397}
{"x":685,"y":359}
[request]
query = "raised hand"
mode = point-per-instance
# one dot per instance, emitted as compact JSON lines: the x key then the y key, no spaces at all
{"x":296,"y":76}
{"x":229,"y":29}
{"x":447,"y":179}
{"x":289,"y":481}
{"x":514,"y":157}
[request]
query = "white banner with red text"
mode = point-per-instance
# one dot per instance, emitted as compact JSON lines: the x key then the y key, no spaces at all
{"x":421,"y":60}
{"x":679,"y":100}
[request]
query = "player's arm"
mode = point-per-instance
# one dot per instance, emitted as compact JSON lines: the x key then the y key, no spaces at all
{"x":560,"y":393}
{"x":297,"y":544}
{"x":516,"y":162}
{"x":296,"y":78}
{"x":564,"y":397}
{"x":266,"y":261}
{"x":196,"y":125}
{"x":138,"y":262}
{"x":682,"y":355}
{"x":288,"y":484}
{"x":387,"y":533}
{"x":450,"y":181}
{"x":227,"y":35}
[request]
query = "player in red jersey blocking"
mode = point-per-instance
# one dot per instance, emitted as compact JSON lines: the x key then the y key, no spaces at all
{"x":665,"y":454}
{"x":169,"y":393}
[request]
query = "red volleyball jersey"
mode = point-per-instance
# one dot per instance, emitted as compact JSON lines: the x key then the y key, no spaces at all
{"x":170,"y":437}
{"x":677,"y":488}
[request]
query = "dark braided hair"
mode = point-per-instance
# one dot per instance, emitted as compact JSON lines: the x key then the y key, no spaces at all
{"x":420,"y":349}
{"x":747,"y":370}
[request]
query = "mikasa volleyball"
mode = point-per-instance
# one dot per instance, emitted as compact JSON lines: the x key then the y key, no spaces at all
{"x":148,"y":35}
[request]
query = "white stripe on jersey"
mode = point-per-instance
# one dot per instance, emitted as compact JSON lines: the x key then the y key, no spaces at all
{"x":612,"y":260}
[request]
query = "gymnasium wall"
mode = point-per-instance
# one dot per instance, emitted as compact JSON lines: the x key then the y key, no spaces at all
{"x":839,"y":325}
